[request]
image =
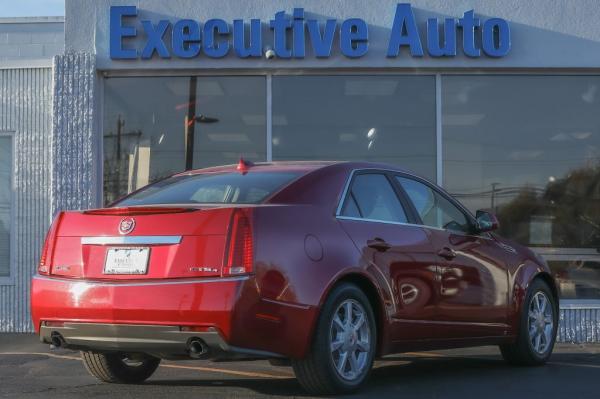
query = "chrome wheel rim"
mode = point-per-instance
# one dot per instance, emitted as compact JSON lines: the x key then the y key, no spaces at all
{"x":350,"y":340}
{"x":541,"y":323}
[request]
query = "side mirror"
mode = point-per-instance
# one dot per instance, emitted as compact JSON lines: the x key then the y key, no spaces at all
{"x":486,"y":221}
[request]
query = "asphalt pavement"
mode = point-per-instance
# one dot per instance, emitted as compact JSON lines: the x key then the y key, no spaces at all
{"x":29,"y":369}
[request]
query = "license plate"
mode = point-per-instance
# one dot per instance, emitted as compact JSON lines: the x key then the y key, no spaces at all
{"x":126,"y":261}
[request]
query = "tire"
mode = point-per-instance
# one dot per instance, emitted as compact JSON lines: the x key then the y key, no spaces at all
{"x":317,"y":372}
{"x":528,"y":349}
{"x":117,"y":368}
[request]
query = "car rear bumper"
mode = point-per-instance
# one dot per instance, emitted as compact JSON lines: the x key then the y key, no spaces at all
{"x":160,"y":316}
{"x":161,"y":341}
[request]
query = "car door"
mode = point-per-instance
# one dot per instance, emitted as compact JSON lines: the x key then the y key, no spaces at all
{"x":473,"y":296}
{"x":395,"y":251}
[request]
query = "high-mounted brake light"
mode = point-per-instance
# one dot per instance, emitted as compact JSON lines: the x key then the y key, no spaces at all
{"x":243,"y":166}
{"x":240,"y":249}
{"x":48,"y":248}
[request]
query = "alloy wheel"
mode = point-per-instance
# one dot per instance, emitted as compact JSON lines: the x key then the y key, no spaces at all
{"x":541,"y":323}
{"x":350,"y":340}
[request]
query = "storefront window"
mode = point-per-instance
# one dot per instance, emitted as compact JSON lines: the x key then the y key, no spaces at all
{"x":156,"y":126}
{"x":528,"y":148}
{"x":383,"y":118}
{"x":5,"y":202}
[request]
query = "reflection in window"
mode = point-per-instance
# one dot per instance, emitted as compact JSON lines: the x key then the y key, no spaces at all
{"x":6,"y":173}
{"x":387,"y":119}
{"x":433,"y":209}
{"x":156,"y":126}
{"x":372,"y":197}
{"x":528,"y":148}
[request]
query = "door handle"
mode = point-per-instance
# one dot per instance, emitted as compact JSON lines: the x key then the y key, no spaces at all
{"x":378,"y":244}
{"x":447,"y":253}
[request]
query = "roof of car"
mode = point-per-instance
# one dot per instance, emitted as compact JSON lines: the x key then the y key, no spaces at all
{"x":301,"y":166}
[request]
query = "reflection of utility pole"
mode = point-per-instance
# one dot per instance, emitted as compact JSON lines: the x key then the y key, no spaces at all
{"x":190,"y":124}
{"x":189,"y":128}
{"x":493,"y":204}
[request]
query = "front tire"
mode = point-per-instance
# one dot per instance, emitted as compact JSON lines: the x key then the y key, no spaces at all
{"x":119,"y":368}
{"x":344,"y":344}
{"x":537,"y":330}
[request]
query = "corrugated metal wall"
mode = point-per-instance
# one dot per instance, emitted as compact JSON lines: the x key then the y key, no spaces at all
{"x":74,"y":127}
{"x":25,"y":109}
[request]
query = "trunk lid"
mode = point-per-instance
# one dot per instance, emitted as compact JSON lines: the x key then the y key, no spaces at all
{"x":142,"y":243}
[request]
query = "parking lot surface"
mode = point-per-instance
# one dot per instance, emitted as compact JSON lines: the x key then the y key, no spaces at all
{"x":29,"y":369}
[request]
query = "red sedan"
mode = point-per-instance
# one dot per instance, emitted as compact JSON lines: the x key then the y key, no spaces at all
{"x":321,"y":265}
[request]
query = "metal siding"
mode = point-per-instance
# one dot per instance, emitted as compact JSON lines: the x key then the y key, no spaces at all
{"x":579,"y":325}
{"x":25,"y":109}
{"x":74,"y":148}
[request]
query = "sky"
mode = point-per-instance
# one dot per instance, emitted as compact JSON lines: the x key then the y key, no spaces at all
{"x":31,"y":8}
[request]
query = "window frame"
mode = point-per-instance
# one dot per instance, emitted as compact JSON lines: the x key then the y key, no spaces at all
{"x":407,"y":207}
{"x":471,"y":220}
{"x":10,"y":278}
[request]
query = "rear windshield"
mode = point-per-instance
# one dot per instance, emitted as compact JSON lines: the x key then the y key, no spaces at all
{"x":217,"y":188}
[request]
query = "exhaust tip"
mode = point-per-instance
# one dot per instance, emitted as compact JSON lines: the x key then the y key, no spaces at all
{"x":56,"y":340}
{"x":197,"y":348}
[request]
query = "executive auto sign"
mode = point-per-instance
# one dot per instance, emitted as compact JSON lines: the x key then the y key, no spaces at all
{"x":291,"y":34}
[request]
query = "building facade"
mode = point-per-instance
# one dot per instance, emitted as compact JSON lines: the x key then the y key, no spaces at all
{"x":496,"y":101}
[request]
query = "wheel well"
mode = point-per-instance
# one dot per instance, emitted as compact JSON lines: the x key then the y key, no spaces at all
{"x":547,"y":278}
{"x":374,"y":300}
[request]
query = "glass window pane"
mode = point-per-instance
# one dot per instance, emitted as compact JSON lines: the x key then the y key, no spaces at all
{"x":384,"y":118}
{"x":6,"y":191}
{"x":375,"y":199}
{"x":528,"y":148}
{"x":155,"y":126}
{"x":434,"y":209}
{"x":249,"y":188}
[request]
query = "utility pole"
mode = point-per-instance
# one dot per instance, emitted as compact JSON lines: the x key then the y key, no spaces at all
{"x":190,"y":125}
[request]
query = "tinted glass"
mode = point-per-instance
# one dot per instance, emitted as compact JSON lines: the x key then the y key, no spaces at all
{"x":387,"y":119}
{"x":5,"y":202}
{"x":219,"y":188}
{"x":372,"y":197}
{"x":153,"y":125}
{"x":433,"y":208}
{"x":528,"y":148}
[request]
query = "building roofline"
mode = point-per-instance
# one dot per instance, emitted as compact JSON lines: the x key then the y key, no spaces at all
{"x":31,"y":20}
{"x":26,"y":63}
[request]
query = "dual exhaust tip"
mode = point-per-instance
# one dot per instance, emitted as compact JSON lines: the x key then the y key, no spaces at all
{"x":56,"y":340}
{"x":196,"y":347}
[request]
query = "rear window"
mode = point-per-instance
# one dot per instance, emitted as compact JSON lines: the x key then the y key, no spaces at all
{"x":217,"y":188}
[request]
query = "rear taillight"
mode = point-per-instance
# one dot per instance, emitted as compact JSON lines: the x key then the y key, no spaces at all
{"x":48,"y":248}
{"x":239,"y":253}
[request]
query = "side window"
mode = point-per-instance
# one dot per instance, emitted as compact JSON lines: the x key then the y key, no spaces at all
{"x":371,"y":196}
{"x":6,"y":172}
{"x":433,"y":208}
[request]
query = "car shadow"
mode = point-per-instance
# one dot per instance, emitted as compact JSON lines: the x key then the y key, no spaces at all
{"x":443,"y":376}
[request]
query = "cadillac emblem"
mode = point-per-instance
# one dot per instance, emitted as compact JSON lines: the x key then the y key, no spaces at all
{"x":126,"y":226}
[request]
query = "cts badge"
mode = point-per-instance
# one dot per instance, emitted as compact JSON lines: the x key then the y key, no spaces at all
{"x":126,"y":226}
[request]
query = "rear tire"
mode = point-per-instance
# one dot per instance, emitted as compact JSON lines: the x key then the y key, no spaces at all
{"x":117,"y":368}
{"x":537,"y":328}
{"x":343,"y":347}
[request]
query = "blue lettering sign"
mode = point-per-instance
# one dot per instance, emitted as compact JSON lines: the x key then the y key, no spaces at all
{"x":354,"y":36}
{"x":404,"y":21}
{"x":155,"y":39}
{"x":254,"y":48}
{"x":434,"y":47}
{"x":186,"y":38}
{"x":118,"y":32}
{"x":213,"y":28}
{"x":214,"y":38}
{"x":469,"y":25}
{"x":496,"y":27}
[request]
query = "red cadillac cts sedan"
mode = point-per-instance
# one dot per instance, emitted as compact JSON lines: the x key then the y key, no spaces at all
{"x":321,"y":265}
